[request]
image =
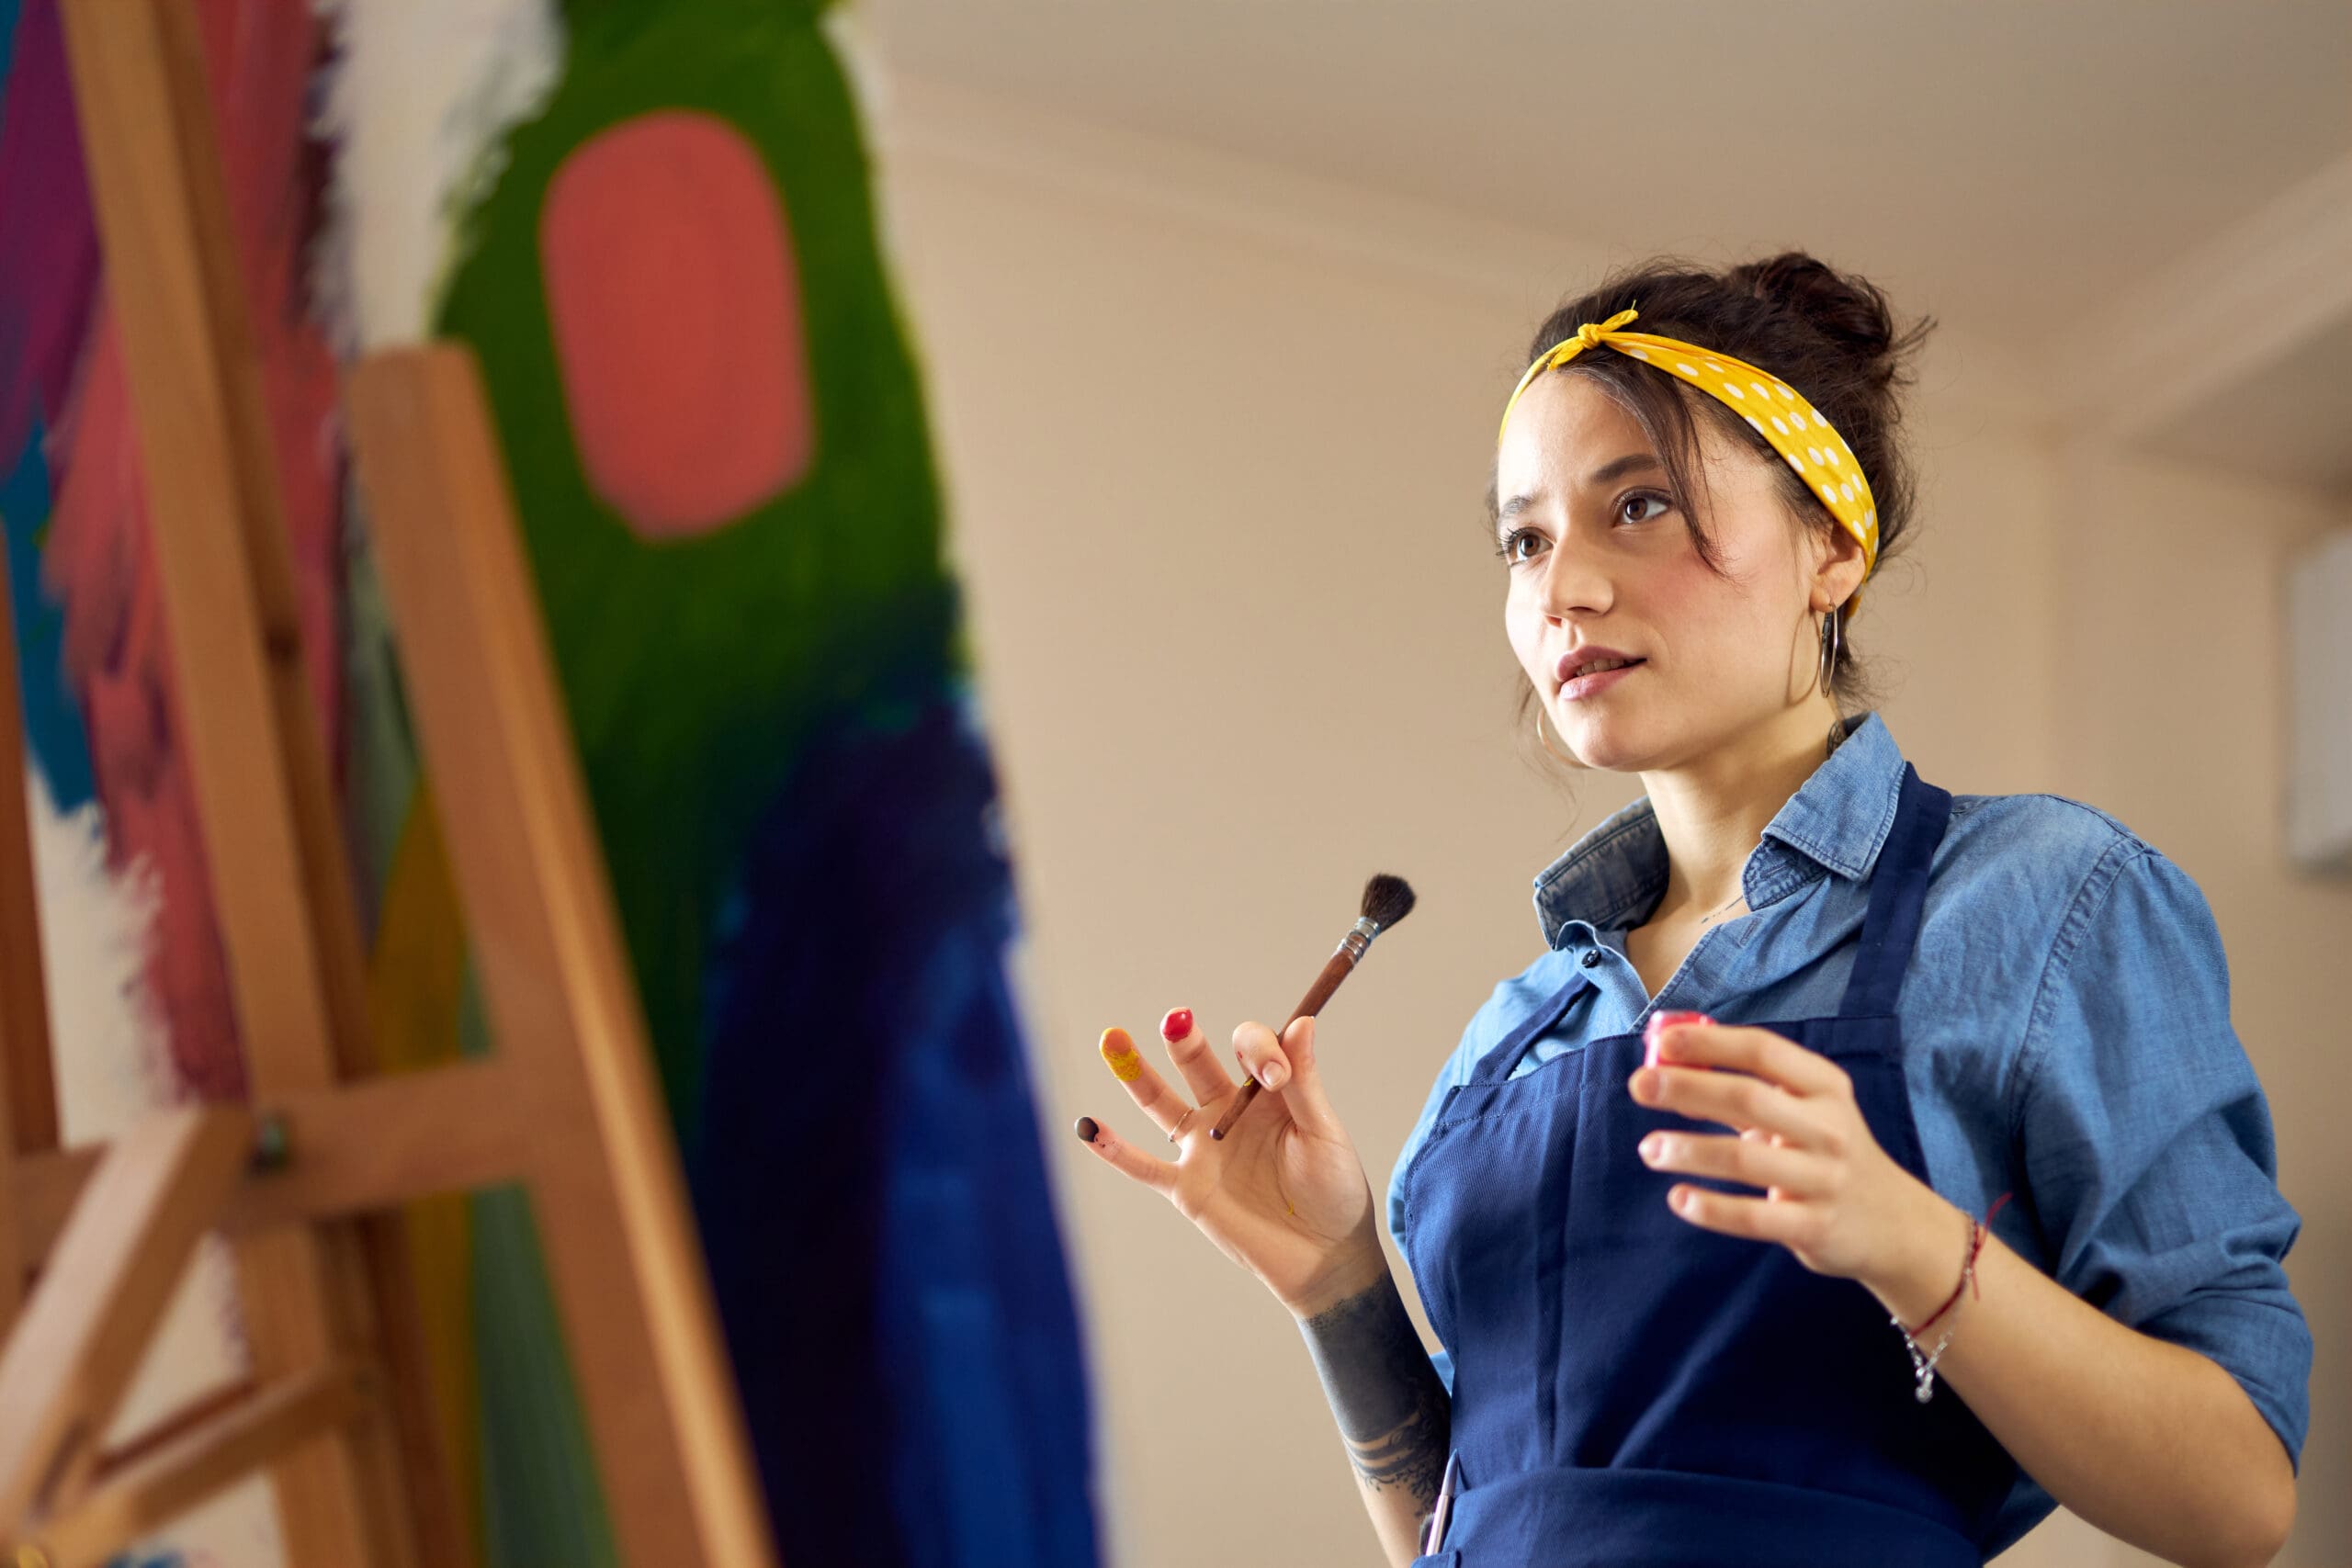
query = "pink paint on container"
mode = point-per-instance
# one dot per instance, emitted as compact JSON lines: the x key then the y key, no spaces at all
{"x":1664,"y":1021}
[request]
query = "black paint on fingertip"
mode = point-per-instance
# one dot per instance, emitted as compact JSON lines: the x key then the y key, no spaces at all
{"x":1087,"y":1129}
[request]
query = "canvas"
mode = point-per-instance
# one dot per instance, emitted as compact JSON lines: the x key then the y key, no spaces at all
{"x":656,"y":229}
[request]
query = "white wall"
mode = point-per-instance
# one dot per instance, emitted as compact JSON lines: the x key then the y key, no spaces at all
{"x":2173,"y":698}
{"x":1216,"y":441}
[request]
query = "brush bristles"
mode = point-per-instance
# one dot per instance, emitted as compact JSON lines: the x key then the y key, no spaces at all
{"x":1386,"y":900}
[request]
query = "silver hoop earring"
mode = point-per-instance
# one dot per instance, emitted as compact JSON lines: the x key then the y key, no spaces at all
{"x":1547,"y":745}
{"x":1833,"y":643}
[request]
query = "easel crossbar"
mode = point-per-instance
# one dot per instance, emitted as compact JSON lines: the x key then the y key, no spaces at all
{"x":372,"y":1145}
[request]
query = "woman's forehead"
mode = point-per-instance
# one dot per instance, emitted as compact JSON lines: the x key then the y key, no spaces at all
{"x":1566,"y":434}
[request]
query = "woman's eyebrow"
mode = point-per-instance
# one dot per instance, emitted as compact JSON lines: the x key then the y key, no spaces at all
{"x":1632,"y":462}
{"x":1616,"y":468}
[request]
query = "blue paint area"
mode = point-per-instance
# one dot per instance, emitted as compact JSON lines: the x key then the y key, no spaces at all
{"x":868,"y":1177}
{"x":52,"y":719}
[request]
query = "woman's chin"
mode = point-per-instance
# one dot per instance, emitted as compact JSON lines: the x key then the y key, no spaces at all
{"x":1605,"y":746}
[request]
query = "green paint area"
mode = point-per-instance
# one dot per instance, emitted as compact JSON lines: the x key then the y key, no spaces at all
{"x":693,"y":669}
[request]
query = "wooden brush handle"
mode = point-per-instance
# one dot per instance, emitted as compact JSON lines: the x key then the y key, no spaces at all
{"x":1340,"y":965}
{"x":1337,"y":969}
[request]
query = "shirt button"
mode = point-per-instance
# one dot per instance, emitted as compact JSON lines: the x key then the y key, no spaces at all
{"x":1591,"y":956}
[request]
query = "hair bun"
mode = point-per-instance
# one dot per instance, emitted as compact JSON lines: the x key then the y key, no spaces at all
{"x":1849,"y":311}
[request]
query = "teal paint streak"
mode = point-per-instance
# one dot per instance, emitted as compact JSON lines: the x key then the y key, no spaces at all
{"x":540,"y":1500}
{"x":539,"y":1495}
{"x":59,"y":741}
{"x":8,"y":14}
{"x":380,"y":747}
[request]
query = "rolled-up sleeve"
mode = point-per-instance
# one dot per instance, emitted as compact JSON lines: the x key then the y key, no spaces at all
{"x":2146,"y":1140}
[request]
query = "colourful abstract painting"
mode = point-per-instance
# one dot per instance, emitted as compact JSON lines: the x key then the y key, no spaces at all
{"x":656,"y":228}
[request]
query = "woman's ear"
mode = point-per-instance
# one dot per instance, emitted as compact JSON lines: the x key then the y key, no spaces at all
{"x":1839,"y":570}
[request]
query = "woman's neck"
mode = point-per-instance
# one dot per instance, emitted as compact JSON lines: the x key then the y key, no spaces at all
{"x":1713,"y":812}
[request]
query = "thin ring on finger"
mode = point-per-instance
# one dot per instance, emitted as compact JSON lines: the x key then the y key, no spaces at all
{"x":1176,"y":1133}
{"x":1150,"y":1093}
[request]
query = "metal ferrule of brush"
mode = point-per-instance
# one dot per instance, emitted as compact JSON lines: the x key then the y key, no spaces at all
{"x":1358,"y":937}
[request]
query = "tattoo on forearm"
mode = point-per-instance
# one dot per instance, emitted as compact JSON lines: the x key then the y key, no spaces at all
{"x":1392,"y":1409}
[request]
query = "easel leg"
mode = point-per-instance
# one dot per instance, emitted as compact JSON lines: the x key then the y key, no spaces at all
{"x":27,"y":1096}
{"x":605,"y":1186}
{"x":267,"y":816}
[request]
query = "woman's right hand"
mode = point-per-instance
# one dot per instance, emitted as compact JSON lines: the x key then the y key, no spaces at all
{"x":1284,"y":1192}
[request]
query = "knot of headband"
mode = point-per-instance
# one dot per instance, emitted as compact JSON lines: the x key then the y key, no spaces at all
{"x":1794,"y":428}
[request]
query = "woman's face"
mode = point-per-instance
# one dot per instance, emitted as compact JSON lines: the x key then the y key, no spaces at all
{"x":1600,"y":554}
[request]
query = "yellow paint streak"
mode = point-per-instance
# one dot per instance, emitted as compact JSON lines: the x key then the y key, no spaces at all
{"x":416,"y":981}
{"x":1119,"y":1050}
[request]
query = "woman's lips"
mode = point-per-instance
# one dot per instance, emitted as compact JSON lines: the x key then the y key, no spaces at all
{"x":1584,"y":686}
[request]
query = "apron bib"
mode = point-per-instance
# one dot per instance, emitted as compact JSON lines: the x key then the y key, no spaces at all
{"x":1632,"y":1391}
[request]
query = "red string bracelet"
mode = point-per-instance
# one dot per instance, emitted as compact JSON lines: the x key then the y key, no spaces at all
{"x":1924,"y":1366}
{"x":1976,"y":1233}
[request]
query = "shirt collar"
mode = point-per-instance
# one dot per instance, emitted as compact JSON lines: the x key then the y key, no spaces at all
{"x":1838,"y":820}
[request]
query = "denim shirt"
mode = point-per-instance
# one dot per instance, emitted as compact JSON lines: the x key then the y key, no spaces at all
{"x":2066,"y":1031}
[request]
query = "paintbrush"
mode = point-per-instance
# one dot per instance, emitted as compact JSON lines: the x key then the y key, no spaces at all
{"x":1386,"y":900}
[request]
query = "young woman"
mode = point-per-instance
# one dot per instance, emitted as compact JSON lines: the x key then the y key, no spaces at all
{"x":1962,"y":1199}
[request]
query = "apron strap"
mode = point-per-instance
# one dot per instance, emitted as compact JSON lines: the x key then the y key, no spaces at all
{"x":1898,"y":895}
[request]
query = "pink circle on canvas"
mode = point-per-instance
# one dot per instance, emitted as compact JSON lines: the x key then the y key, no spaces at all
{"x":675,"y":301}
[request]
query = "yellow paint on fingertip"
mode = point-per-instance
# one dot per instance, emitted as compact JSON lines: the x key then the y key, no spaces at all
{"x":1119,"y":1050}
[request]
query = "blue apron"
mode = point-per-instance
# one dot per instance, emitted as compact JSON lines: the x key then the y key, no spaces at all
{"x":1629,"y":1389}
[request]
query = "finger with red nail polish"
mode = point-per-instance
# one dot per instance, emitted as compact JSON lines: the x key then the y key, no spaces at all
{"x":1654,"y":1031}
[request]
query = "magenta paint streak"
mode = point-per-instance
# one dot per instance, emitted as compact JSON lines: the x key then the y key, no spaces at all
{"x":100,"y":565}
{"x":49,"y":258}
{"x":261,"y":54}
{"x":99,"y":560}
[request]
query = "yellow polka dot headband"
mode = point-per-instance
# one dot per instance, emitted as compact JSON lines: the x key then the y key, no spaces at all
{"x":1774,"y":410}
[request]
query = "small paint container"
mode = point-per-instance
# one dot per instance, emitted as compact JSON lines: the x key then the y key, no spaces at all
{"x":1662,"y":1021}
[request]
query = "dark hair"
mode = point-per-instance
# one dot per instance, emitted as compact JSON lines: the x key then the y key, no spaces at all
{"x":1828,"y":333}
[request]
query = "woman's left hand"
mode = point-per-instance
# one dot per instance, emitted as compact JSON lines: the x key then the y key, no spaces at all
{"x":1832,"y":1196}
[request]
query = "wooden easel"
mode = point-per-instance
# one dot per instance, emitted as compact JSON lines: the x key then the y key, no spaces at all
{"x":309,"y":1181}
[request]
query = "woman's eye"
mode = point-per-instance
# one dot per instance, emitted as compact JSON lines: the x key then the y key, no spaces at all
{"x":1509,"y":548}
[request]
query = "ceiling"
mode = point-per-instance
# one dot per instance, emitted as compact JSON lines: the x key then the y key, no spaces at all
{"x":2010,"y":167}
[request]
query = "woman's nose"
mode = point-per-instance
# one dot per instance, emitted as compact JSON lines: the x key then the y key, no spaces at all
{"x":1573,"y":580}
